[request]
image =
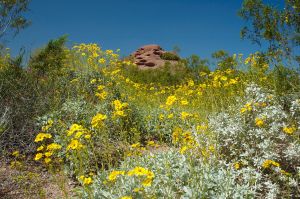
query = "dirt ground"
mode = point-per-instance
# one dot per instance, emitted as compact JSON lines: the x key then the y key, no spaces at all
{"x":21,"y":181}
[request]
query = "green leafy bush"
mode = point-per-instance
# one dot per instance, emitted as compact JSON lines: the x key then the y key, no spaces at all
{"x":51,"y":59}
{"x":166,"y":75}
{"x":170,"y":56}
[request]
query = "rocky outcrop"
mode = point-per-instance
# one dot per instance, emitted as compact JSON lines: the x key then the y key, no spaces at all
{"x":149,"y":56}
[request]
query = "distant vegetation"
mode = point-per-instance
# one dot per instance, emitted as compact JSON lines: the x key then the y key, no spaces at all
{"x":170,"y":56}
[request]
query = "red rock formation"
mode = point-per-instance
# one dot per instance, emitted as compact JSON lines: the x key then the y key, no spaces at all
{"x":149,"y":56}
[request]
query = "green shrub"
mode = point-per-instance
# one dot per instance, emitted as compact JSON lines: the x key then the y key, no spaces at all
{"x":50,"y":59}
{"x":18,"y":105}
{"x":170,"y":56}
{"x":167,"y":75}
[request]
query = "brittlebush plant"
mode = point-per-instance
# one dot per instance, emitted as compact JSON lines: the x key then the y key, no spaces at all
{"x":226,"y":134}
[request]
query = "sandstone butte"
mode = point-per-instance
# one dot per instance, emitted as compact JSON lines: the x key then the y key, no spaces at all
{"x":149,"y":57}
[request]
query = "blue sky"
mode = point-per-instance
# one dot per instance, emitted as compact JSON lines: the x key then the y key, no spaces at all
{"x":196,"y":26}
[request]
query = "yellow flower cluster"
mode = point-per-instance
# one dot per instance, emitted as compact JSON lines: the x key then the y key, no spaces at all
{"x":46,"y":151}
{"x":137,"y":149}
{"x":86,"y":180}
{"x":114,"y":175}
{"x":48,"y":125}
{"x":185,"y":140}
{"x":74,"y":145}
{"x":289,"y":130}
{"x":95,"y":56}
{"x":256,"y":61}
{"x":77,"y":131}
{"x":119,"y":108}
{"x":201,"y":128}
{"x":41,"y":136}
{"x":171,"y":100}
{"x":144,"y":174}
{"x":98,"y":121}
{"x":52,"y":147}
{"x":184,"y":115}
{"x":126,"y":197}
{"x":247,"y":107}
{"x":268,"y":163}
{"x":101,"y":93}
{"x":16,"y":154}
{"x":259,"y":122}
{"x":220,"y":78}
{"x":237,"y":165}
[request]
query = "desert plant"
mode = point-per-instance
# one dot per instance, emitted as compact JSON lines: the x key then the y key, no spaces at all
{"x":170,"y":56}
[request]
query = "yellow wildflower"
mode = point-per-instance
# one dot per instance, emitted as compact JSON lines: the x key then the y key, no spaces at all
{"x":74,"y":144}
{"x":149,"y":174}
{"x":48,"y":125}
{"x":40,"y":148}
{"x":237,"y":165}
{"x":38,"y":156}
{"x":88,"y":136}
{"x":102,"y":61}
{"x":114,"y":174}
{"x":147,"y":182}
{"x":284,"y":172}
{"x":183,"y":149}
{"x":289,"y":130}
{"x":170,"y":116}
{"x":184,"y":102}
{"x":48,"y":154}
{"x":75,"y":128}
{"x":224,"y":78}
{"x":41,"y":136}
{"x":138,"y":189}
{"x":185,"y":115}
{"x":93,"y":81}
{"x":268,"y":163}
{"x":98,"y":120}
{"x":259,"y":122}
{"x":102,"y":95}
{"x":191,"y":83}
{"x":87,"y":181}
{"x":78,"y":134}
{"x":161,"y":117}
{"x":171,"y":100}
{"x":138,"y":171}
{"x":47,"y":160}
{"x":201,"y":127}
{"x":136,"y":145}
{"x":16,"y":153}
{"x":202,"y":73}
{"x":119,"y":113}
{"x":247,"y":107}
{"x":109,"y":52}
{"x":53,"y":146}
{"x":151,"y":143}
{"x":126,"y":197}
{"x":100,"y":87}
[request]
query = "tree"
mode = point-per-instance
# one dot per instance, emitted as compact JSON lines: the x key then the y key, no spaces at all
{"x":50,"y":59}
{"x":224,"y":60}
{"x":11,"y":18}
{"x":196,"y":63}
{"x":279,"y":27}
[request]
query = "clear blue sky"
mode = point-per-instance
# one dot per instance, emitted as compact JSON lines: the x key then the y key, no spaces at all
{"x":196,"y":26}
